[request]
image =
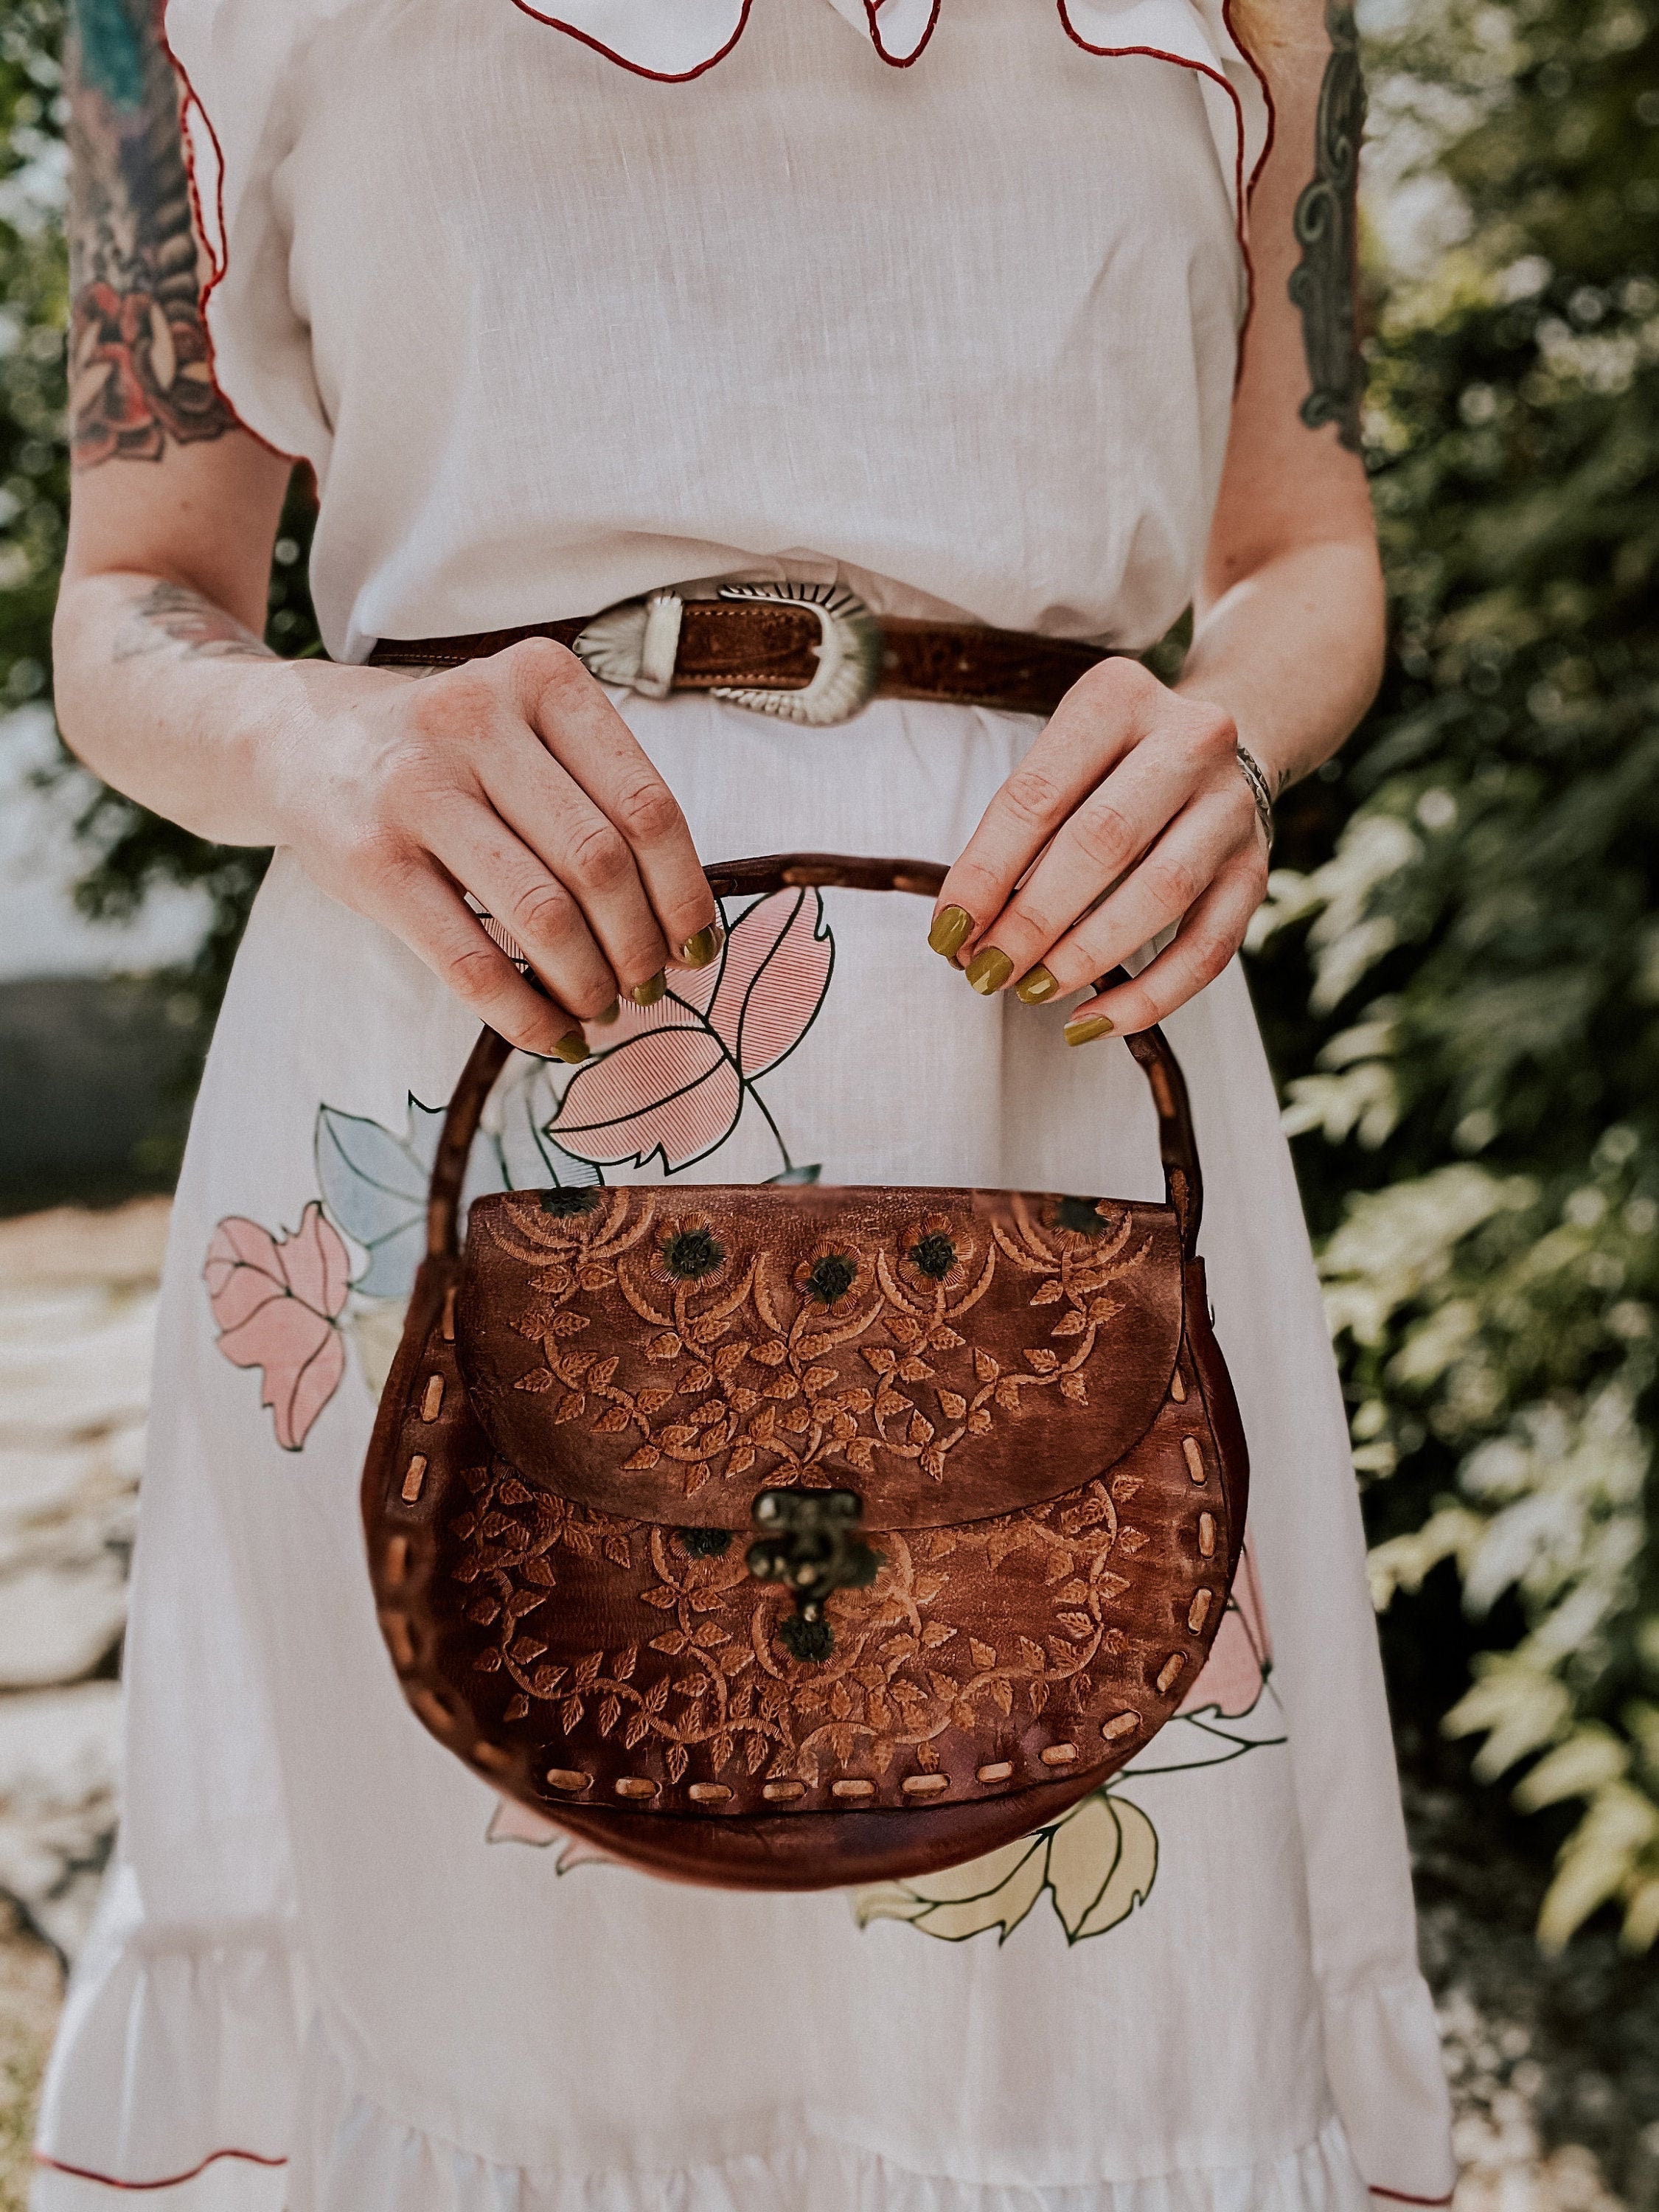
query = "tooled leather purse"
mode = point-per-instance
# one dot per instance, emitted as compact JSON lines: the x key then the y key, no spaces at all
{"x":784,"y":1537}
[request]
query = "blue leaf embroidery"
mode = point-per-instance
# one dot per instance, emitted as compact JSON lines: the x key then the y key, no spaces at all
{"x":375,"y":1186}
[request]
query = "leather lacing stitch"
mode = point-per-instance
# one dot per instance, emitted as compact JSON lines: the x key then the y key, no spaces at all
{"x":919,"y":1789}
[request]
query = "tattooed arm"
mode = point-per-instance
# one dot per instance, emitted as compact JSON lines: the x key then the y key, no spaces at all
{"x":1131,"y":812}
{"x":514,"y":779}
{"x":139,"y":368}
{"x":1289,"y":635}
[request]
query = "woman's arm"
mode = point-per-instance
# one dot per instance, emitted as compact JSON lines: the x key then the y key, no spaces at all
{"x":514,"y":779}
{"x":1137,"y":786}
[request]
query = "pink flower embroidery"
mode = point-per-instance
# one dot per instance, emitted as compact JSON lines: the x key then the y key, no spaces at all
{"x":277,"y":1301}
{"x":1240,"y":1656}
{"x":674,"y":1082}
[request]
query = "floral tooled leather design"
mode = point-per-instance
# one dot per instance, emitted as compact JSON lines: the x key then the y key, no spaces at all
{"x":1021,"y":1393}
{"x":634,"y":1348}
{"x":708,"y":1677}
{"x":584,"y":1658}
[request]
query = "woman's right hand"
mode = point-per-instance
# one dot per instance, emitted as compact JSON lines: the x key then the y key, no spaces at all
{"x":515,"y":779}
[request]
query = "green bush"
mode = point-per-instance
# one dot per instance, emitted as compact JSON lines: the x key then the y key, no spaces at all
{"x":1484,"y":943}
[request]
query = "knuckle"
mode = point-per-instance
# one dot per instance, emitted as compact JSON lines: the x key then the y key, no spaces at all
{"x":531,"y":1031}
{"x":648,"y":812}
{"x":1211,"y":951}
{"x":598,"y":858}
{"x":976,"y":887}
{"x":1104,"y":833}
{"x":1035,"y":797}
{"x":460,"y":698}
{"x":376,"y":853}
{"x":542,"y":913}
{"x":474,"y":973}
{"x":590,"y":997}
{"x":1174,"y":884}
{"x":1023,"y":929}
{"x":1071,"y":967}
{"x":1213,"y":732}
{"x":538,"y":662}
{"x":1122,"y":680}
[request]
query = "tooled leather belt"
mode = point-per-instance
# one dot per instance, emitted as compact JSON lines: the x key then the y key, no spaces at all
{"x":808,"y":652}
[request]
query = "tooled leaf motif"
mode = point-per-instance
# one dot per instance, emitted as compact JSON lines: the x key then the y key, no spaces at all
{"x":756,"y":1351}
{"x":715,"y":1688}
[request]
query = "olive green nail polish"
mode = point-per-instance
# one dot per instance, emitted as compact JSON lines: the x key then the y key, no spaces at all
{"x":1036,"y":985}
{"x":608,"y":1014}
{"x":952,"y":926}
{"x":697,"y":951}
{"x":572,"y":1046}
{"x":647,"y":995}
{"x":989,"y":970}
{"x":1085,"y":1032}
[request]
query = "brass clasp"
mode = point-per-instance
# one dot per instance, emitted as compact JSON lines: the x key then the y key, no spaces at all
{"x":813,"y":1546}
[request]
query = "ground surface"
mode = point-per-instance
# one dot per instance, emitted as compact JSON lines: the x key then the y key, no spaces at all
{"x":1554,"y":2063}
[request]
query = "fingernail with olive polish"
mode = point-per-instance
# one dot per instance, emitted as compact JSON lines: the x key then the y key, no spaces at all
{"x":1090,"y":1027}
{"x":952,"y":926}
{"x":647,"y":995}
{"x":608,"y":1015}
{"x":1036,"y":985}
{"x":989,"y":970}
{"x":697,"y":951}
{"x":572,"y":1046}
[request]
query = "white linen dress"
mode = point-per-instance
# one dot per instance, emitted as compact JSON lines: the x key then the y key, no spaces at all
{"x":946,"y":306}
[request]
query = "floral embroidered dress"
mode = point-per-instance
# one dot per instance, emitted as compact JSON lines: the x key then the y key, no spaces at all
{"x":943,"y":305}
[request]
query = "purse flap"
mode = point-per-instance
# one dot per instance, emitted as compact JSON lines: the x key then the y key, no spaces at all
{"x":949,"y":1354}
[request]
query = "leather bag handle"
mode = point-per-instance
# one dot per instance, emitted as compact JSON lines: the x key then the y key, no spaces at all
{"x":1183,"y":1186}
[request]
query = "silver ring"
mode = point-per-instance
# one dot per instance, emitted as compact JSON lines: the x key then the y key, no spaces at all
{"x":1250,"y":769}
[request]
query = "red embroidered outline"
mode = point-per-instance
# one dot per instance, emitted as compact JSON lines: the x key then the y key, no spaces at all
{"x":1399,"y":2196}
{"x":1243,"y":187}
{"x":221,"y":262}
{"x":1261,"y":75}
{"x":871,"y":8}
{"x":657,"y":76}
{"x":172,"y":2181}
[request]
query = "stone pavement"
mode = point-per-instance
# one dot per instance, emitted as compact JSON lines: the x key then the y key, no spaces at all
{"x":77,"y":1300}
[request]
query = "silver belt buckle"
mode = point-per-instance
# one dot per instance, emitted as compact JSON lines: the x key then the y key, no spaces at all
{"x":635,"y":644}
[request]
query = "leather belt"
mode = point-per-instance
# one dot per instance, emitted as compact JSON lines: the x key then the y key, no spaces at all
{"x":808,"y":652}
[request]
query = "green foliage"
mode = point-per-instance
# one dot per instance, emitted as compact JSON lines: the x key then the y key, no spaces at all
{"x":1484,"y":942}
{"x":33,"y":286}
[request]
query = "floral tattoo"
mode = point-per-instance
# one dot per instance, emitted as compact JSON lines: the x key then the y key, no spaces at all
{"x":172,"y":615}
{"x":140,"y":375}
{"x":1323,"y":284}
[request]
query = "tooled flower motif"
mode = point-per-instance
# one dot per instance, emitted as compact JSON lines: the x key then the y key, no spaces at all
{"x":932,"y":1257}
{"x":751,"y":1382}
{"x":569,"y":1202}
{"x":1076,"y":1220}
{"x":687,"y":1251}
{"x":828,"y":1273}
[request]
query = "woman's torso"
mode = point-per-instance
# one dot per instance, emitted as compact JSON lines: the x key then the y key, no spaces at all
{"x":553,"y":332}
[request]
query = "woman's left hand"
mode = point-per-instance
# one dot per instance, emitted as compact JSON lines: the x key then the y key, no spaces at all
{"x":1136,"y":813}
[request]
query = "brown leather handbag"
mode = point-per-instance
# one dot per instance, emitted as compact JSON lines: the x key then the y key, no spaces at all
{"x":781,"y":1537}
